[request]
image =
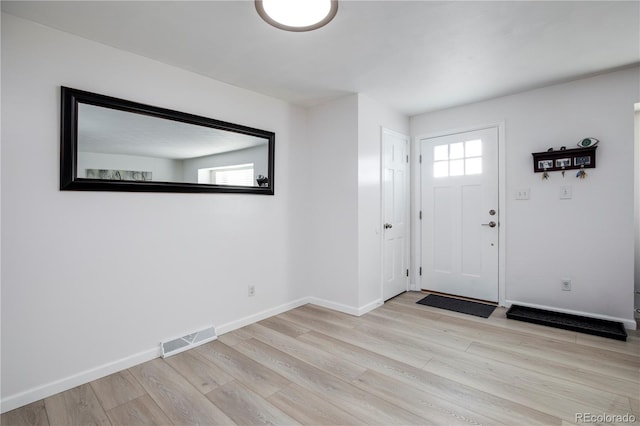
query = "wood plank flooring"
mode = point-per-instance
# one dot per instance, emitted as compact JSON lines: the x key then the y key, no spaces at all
{"x":400,"y":364}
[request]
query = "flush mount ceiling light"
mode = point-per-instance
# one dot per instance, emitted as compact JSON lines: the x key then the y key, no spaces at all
{"x":297,"y":15}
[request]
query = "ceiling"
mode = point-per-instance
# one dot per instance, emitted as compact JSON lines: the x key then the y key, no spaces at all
{"x":414,"y":56}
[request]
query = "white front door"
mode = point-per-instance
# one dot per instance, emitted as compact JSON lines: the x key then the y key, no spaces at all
{"x":395,"y":189}
{"x":460,"y":216}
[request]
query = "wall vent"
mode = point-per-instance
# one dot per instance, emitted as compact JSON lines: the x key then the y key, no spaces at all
{"x":181,"y":344}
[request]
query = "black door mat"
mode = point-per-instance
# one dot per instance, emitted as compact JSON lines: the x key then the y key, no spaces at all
{"x":594,"y":326}
{"x":458,"y":305}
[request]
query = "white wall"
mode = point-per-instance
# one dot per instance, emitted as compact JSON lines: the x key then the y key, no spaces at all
{"x":93,"y":281}
{"x":372,"y":116}
{"x":162,"y":169}
{"x":345,"y":240}
{"x":333,"y":201}
{"x":588,"y":238}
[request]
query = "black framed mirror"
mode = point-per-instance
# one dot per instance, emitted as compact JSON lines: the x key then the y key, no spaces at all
{"x":111,"y":144}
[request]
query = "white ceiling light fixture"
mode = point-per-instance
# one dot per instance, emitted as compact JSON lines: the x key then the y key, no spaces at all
{"x":297,"y":15}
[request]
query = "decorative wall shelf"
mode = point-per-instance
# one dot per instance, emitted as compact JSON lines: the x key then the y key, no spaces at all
{"x":566,"y":159}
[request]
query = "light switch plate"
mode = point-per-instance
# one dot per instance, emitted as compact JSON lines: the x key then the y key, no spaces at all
{"x":522,"y":194}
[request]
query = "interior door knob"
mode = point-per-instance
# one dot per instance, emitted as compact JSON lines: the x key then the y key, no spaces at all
{"x":388,"y":226}
{"x":491,"y":224}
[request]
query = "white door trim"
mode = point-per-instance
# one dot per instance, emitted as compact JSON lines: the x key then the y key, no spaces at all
{"x":409,"y":236}
{"x":502,"y":201}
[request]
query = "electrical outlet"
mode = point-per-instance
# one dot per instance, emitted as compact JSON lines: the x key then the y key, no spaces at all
{"x":252,"y":290}
{"x":566,"y":193}
{"x":566,"y":284}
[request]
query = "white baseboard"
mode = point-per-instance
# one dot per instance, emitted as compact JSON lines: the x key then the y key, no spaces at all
{"x":629,"y":324}
{"x":370,"y":307}
{"x":27,"y":397}
{"x":234,"y":325}
{"x":23,"y":398}
{"x":351,"y":310}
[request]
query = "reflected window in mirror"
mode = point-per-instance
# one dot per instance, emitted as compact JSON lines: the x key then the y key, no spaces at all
{"x":240,"y":175}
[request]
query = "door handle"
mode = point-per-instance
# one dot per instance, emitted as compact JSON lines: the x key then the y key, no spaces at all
{"x":491,"y":224}
{"x":388,"y":226}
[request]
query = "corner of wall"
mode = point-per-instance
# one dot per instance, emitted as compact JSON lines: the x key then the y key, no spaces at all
{"x":636,"y":209}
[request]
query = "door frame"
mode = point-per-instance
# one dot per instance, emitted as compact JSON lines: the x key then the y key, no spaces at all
{"x":416,"y":198}
{"x":408,"y":221}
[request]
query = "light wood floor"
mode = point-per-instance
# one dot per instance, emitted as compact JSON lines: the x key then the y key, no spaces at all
{"x":400,"y":364}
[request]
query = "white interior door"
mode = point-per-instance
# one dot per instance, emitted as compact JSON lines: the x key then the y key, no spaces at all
{"x":395,"y":191}
{"x":460,"y":215}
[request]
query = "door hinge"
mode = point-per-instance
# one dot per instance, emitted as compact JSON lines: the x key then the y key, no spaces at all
{"x":420,"y":215}
{"x":407,"y":272}
{"x":420,"y":271}
{"x":407,"y":158}
{"x":421,"y":158}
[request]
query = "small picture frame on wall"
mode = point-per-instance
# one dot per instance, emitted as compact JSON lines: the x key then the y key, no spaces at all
{"x":545,"y":164}
{"x":584,"y":160}
{"x":563,"y":162}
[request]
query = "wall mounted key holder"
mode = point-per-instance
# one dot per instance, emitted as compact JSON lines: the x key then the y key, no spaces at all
{"x":567,"y":159}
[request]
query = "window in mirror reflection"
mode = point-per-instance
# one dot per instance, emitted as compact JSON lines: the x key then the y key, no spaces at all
{"x":239,"y":175}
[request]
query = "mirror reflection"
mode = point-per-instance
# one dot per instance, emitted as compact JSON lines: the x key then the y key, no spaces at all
{"x":119,"y":145}
{"x":110,"y":144}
